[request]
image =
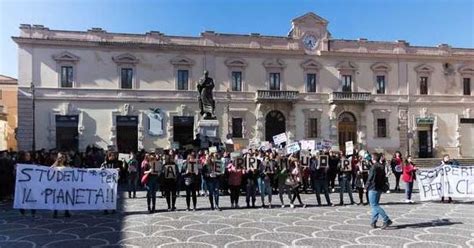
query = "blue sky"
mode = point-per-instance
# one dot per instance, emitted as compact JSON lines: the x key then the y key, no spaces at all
{"x":420,"y":22}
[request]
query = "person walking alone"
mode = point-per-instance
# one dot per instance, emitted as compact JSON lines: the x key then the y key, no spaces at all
{"x":375,"y":186}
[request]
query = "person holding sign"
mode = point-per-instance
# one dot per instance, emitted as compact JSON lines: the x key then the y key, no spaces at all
{"x":266,"y":171}
{"x":334,"y":161}
{"x":25,"y":158}
{"x":251,"y":177}
{"x":453,"y":163}
{"x":283,"y":186}
{"x":169,"y":174}
{"x":319,"y":177}
{"x":345,"y":175}
{"x":111,"y":162}
{"x":151,"y":169}
{"x":60,"y":163}
{"x":408,"y":177}
{"x":190,"y":173}
{"x":235,"y":173}
{"x":362,"y":173}
{"x":397,"y":168}
{"x":211,"y":171}
{"x":375,"y":186}
{"x":297,"y":182}
{"x":132,"y":175}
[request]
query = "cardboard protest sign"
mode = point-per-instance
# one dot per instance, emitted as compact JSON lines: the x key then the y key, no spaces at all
{"x":305,"y":157}
{"x":280,"y":138}
{"x":175,"y":145}
{"x":346,"y":165}
{"x":335,"y":148}
{"x":123,"y":157}
{"x":170,"y":171}
{"x":349,"y":148}
{"x":235,"y":154}
{"x":308,"y":144}
{"x":365,"y":165}
{"x":251,"y":162}
{"x":192,"y":167}
{"x":265,"y":145}
{"x":446,"y":181}
{"x":65,"y":188}
{"x":292,"y":147}
{"x":323,"y":161}
{"x":212,"y":149}
{"x":229,"y":147}
{"x":156,"y":166}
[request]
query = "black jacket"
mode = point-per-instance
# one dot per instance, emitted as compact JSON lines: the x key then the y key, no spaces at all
{"x":376,"y":178}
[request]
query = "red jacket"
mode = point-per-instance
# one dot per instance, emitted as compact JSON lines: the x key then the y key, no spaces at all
{"x":408,"y":173}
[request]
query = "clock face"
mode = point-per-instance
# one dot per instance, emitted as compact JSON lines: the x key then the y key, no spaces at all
{"x":310,"y":41}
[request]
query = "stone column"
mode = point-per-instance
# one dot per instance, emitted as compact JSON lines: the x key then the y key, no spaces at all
{"x":25,"y":120}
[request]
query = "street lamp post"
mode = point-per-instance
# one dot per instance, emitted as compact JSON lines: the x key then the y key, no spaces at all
{"x":33,"y":143}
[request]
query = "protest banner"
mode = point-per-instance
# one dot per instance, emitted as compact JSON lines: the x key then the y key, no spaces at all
{"x":123,"y":157}
{"x":365,"y":165}
{"x":170,"y":171}
{"x":446,"y":181}
{"x":65,"y":188}
{"x":292,"y":148}
{"x":279,"y":138}
{"x":308,"y":144}
{"x":323,"y":161}
{"x":192,"y":167}
{"x":349,"y":148}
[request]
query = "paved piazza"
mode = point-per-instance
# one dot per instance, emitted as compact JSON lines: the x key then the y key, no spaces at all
{"x":419,"y":225}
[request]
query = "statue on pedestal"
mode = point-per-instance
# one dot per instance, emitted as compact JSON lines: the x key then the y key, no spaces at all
{"x":207,"y":104}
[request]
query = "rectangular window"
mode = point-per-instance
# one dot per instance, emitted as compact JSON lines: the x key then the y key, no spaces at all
{"x":66,"y":76}
{"x":313,"y":128}
{"x":381,"y":84}
{"x":183,"y":77}
{"x":423,"y":85}
{"x":467,"y":86}
{"x":275,"y":81}
{"x":127,"y":78}
{"x":236,"y":81}
{"x":310,"y":82}
{"x":237,"y":127}
{"x":382,"y":128}
{"x":346,"y":83}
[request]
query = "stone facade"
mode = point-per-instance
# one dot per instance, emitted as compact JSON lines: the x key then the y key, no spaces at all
{"x":97,"y":58}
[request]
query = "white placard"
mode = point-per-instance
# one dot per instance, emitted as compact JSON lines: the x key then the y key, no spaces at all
{"x":65,"y":188}
{"x":446,"y":181}
{"x":212,"y":149}
{"x":308,"y":144}
{"x":349,"y":148}
{"x":280,"y":138}
{"x":124,"y":157}
{"x":292,"y":147}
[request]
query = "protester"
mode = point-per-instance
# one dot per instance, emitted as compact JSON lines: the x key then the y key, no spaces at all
{"x":151,"y":170}
{"x":111,"y":162}
{"x":375,"y":186}
{"x":251,"y":176}
{"x":334,"y":161}
{"x":132,"y":175}
{"x":211,"y":172}
{"x":297,"y":182}
{"x":190,"y":174}
{"x":409,"y":177}
{"x":6,"y":176}
{"x":345,"y":183}
{"x":25,"y":158}
{"x":397,"y":168}
{"x":319,"y":179}
{"x":447,"y":161}
{"x":60,"y":163}
{"x":169,"y":175}
{"x":283,"y":183}
{"x":235,"y":173}
{"x":361,"y":179}
{"x":266,"y":171}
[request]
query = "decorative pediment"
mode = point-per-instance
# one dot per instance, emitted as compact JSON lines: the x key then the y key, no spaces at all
{"x":346,"y":66}
{"x":65,"y":57}
{"x":381,"y":67}
{"x":466,"y":69}
{"x":182,"y":61}
{"x":274,"y":63}
{"x":125,"y":58}
{"x":235,"y":62}
{"x":310,"y":17}
{"x":424,"y":68}
{"x":311,"y":64}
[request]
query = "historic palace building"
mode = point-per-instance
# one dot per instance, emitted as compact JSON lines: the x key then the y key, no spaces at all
{"x":138,"y":91}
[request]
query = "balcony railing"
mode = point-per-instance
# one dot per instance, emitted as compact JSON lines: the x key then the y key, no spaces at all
{"x":350,"y":97}
{"x":277,"y":95}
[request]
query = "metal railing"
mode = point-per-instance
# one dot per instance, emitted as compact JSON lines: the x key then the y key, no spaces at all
{"x":350,"y":97}
{"x":277,"y":95}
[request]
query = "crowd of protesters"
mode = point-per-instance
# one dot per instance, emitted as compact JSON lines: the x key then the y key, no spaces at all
{"x":215,"y":174}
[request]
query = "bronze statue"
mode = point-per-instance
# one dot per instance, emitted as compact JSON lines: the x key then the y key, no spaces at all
{"x":206,"y":100}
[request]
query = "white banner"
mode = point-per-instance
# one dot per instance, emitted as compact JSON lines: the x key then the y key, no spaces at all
{"x":280,"y":138}
{"x":447,"y":181}
{"x":292,"y":147}
{"x":349,"y":148}
{"x":308,"y":144}
{"x":42,"y":187}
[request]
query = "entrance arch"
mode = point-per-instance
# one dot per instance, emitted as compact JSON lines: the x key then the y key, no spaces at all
{"x":275,"y":123}
{"x":347,"y":129}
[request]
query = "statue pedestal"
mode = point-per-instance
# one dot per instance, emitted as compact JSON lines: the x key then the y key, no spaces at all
{"x":209,"y":129}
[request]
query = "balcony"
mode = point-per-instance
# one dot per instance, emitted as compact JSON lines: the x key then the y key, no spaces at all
{"x":350,"y":97}
{"x":277,"y":95}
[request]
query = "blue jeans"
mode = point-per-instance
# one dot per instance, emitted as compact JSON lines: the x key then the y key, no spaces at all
{"x":213,"y":187}
{"x":374,"y":198}
{"x":264,"y":188}
{"x":345,"y":186}
{"x":151,"y":187}
{"x":408,"y":190}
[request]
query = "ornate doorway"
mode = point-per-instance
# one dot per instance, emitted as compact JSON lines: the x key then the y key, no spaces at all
{"x":275,"y":123}
{"x":347,"y":129}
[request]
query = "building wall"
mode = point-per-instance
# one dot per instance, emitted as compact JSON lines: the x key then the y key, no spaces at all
{"x":8,"y":100}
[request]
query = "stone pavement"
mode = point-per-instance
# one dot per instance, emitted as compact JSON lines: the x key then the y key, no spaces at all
{"x":415,"y":225}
